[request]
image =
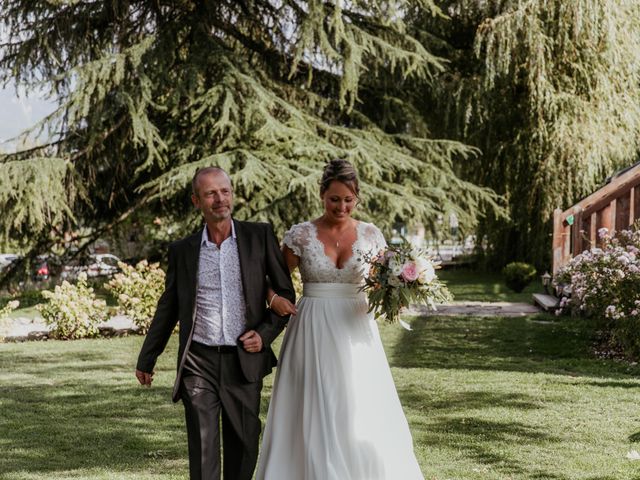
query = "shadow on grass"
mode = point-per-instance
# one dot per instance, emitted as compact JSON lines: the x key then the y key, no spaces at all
{"x":416,"y":398}
{"x":75,"y":406}
{"x":477,"y":438}
{"x":538,"y":343}
{"x":89,"y":425}
{"x":451,"y":425}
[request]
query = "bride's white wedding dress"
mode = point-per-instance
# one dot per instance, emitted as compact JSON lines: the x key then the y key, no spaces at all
{"x":334,"y":412}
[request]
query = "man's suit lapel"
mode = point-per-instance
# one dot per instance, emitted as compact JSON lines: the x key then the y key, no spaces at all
{"x":192,"y":258}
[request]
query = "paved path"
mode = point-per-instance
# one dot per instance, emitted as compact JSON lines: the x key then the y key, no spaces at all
{"x":482,"y":309}
{"x":23,"y":328}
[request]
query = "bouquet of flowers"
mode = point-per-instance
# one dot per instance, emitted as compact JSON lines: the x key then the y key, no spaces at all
{"x":399,"y":276}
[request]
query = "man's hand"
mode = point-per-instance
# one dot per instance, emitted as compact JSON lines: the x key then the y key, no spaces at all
{"x":251,"y":341}
{"x":144,"y":378}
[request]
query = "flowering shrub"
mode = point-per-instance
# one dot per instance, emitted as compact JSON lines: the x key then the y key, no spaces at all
{"x":605,"y":284}
{"x":73,"y":310}
{"x":518,"y":275}
{"x":8,"y":308}
{"x":138,"y":290}
{"x":399,"y":276}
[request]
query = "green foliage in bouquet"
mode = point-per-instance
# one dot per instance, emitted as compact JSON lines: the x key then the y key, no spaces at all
{"x":137,"y":290}
{"x":400,"y":276}
{"x":73,"y":310}
{"x":517,"y":275}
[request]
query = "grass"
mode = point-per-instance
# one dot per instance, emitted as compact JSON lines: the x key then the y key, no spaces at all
{"x":471,"y":285}
{"x":486,"y":399}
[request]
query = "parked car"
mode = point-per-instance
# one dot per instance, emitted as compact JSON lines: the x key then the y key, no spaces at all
{"x":38,"y":271}
{"x":7,"y":259}
{"x":95,"y":265}
{"x":41,"y":268}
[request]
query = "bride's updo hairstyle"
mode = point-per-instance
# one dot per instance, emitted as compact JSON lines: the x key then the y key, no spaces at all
{"x":341,"y":171}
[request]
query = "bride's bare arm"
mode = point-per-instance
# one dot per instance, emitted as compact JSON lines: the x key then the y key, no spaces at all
{"x":280,"y":305}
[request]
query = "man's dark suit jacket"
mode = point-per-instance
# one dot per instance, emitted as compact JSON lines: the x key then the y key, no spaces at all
{"x":260,"y":259}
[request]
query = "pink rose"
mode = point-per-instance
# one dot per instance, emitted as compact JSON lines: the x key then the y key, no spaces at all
{"x":410,"y":272}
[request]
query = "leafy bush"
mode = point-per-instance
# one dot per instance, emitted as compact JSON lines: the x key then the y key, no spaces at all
{"x":137,"y":290}
{"x":296,"y":279}
{"x":29,"y":298}
{"x":8,"y":308}
{"x":605,"y":284}
{"x":73,"y":310}
{"x":518,"y":275}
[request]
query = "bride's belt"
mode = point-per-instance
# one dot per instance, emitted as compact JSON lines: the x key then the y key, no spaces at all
{"x":332,"y":290}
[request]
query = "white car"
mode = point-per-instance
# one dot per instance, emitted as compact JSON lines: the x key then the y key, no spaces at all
{"x":98,"y":265}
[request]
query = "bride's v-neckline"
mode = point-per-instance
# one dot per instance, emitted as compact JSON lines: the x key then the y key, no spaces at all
{"x":323,"y":247}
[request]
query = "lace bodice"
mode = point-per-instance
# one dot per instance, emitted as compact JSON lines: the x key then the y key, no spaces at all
{"x":316,"y":267}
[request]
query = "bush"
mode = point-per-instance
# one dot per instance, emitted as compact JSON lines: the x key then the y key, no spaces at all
{"x":605,"y":284}
{"x":137,"y":290}
{"x":518,"y":275}
{"x":9,"y":307}
{"x":29,"y":298}
{"x":296,"y":280}
{"x":73,"y":310}
{"x":6,"y":310}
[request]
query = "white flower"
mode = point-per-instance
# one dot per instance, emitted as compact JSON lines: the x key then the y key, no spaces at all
{"x":633,"y":455}
{"x":427,"y":275}
{"x":395,"y":267}
{"x":623,"y":259}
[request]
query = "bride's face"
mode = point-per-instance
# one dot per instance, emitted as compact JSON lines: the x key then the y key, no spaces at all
{"x":339,"y":201}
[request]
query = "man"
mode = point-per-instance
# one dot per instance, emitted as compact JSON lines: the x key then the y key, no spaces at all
{"x":216,"y":287}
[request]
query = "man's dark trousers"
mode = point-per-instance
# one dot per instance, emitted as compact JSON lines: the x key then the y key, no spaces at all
{"x":213,"y":386}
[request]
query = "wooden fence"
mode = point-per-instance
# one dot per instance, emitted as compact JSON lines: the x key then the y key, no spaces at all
{"x":615,"y":206}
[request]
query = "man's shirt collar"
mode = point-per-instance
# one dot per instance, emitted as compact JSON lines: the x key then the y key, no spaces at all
{"x":205,"y":234}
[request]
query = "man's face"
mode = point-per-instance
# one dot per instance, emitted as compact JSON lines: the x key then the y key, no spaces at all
{"x":214,"y":196}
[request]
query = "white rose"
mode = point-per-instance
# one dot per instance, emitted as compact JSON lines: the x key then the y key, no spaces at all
{"x":427,"y":275}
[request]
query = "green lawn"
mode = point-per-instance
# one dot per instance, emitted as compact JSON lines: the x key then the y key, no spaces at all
{"x":485,"y":286}
{"x":486,"y":399}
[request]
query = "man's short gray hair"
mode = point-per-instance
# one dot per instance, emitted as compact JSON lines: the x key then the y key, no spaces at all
{"x":203,"y":171}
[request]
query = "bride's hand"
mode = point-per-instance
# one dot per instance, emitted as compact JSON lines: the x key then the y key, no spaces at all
{"x":281,"y":306}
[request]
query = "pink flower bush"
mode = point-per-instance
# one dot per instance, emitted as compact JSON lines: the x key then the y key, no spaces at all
{"x":605,"y":284}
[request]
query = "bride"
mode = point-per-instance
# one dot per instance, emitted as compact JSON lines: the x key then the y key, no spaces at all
{"x":334,"y":412}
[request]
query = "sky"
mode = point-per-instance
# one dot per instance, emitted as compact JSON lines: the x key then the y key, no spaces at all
{"x":18,"y":112}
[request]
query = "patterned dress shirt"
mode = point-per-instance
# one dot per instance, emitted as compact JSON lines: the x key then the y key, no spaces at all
{"x":220,"y":303}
